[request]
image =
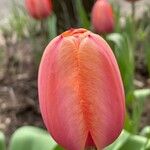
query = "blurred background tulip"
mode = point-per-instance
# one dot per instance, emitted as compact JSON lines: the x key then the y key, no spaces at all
{"x":102,"y":17}
{"x":80,"y":91}
{"x":39,"y":9}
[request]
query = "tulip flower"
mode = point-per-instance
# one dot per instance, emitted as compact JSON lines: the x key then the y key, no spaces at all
{"x":39,"y":9}
{"x":102,"y":17}
{"x":80,"y":91}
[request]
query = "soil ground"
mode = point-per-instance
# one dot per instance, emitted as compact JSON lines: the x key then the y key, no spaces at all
{"x":18,"y":87}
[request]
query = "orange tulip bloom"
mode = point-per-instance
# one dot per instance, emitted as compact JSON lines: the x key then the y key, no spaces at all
{"x":80,"y":91}
{"x":102,"y":17}
{"x":39,"y":9}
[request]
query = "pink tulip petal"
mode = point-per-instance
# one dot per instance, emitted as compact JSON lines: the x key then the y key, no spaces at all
{"x":58,"y":94}
{"x":80,"y":91}
{"x":39,"y":9}
{"x":102,"y":17}
{"x":104,"y":91}
{"x":44,"y":73}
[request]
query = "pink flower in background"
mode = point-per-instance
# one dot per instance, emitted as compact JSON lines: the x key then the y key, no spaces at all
{"x":80,"y":91}
{"x":39,"y":9}
{"x":102,"y":17}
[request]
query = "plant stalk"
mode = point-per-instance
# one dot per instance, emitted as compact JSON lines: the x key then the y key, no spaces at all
{"x":133,"y":10}
{"x":91,"y":148}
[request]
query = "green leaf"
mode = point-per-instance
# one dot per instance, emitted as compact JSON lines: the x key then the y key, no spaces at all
{"x":135,"y":142}
{"x":2,"y":141}
{"x":117,"y":13}
{"x":116,"y":38}
{"x":119,"y":142}
{"x":52,"y":27}
{"x":140,"y":97}
{"x":146,"y":132}
{"x":147,"y":50}
{"x":82,"y":15}
{"x":130,"y":29}
{"x":32,"y":138}
{"x":124,"y":55}
{"x":142,"y":94}
{"x":127,"y":141}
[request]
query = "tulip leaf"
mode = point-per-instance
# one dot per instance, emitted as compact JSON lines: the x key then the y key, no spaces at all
{"x":142,"y":94}
{"x":135,"y":142}
{"x":2,"y":141}
{"x":147,"y":50}
{"x":58,"y":148}
{"x":32,"y":138}
{"x":127,"y":141}
{"x":82,"y":14}
{"x":138,"y":105}
{"x":119,"y":142}
{"x":124,"y":55}
{"x":52,"y":28}
{"x":117,"y":13}
{"x":146,"y":132}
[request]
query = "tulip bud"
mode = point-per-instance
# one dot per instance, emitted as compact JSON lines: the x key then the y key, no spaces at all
{"x":39,"y":9}
{"x":80,"y":91}
{"x":102,"y":17}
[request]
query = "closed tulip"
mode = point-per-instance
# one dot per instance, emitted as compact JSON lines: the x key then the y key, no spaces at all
{"x":80,"y":91}
{"x":39,"y":9}
{"x":102,"y":17}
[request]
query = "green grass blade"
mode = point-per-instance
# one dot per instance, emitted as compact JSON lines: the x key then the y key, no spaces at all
{"x":32,"y":138}
{"x":2,"y":141}
{"x":52,"y":27}
{"x":82,"y":14}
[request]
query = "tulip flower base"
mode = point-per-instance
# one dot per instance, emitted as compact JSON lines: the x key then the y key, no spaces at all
{"x":72,"y":79}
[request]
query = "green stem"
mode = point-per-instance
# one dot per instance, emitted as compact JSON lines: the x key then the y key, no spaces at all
{"x":44,"y":26}
{"x":133,"y":10}
{"x":145,"y":145}
{"x":91,"y":148}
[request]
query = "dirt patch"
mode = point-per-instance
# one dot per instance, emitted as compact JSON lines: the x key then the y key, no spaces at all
{"x":18,"y":86}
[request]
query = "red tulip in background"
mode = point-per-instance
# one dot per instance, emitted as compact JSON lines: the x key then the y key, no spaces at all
{"x":102,"y":17}
{"x":39,"y":9}
{"x":80,"y":91}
